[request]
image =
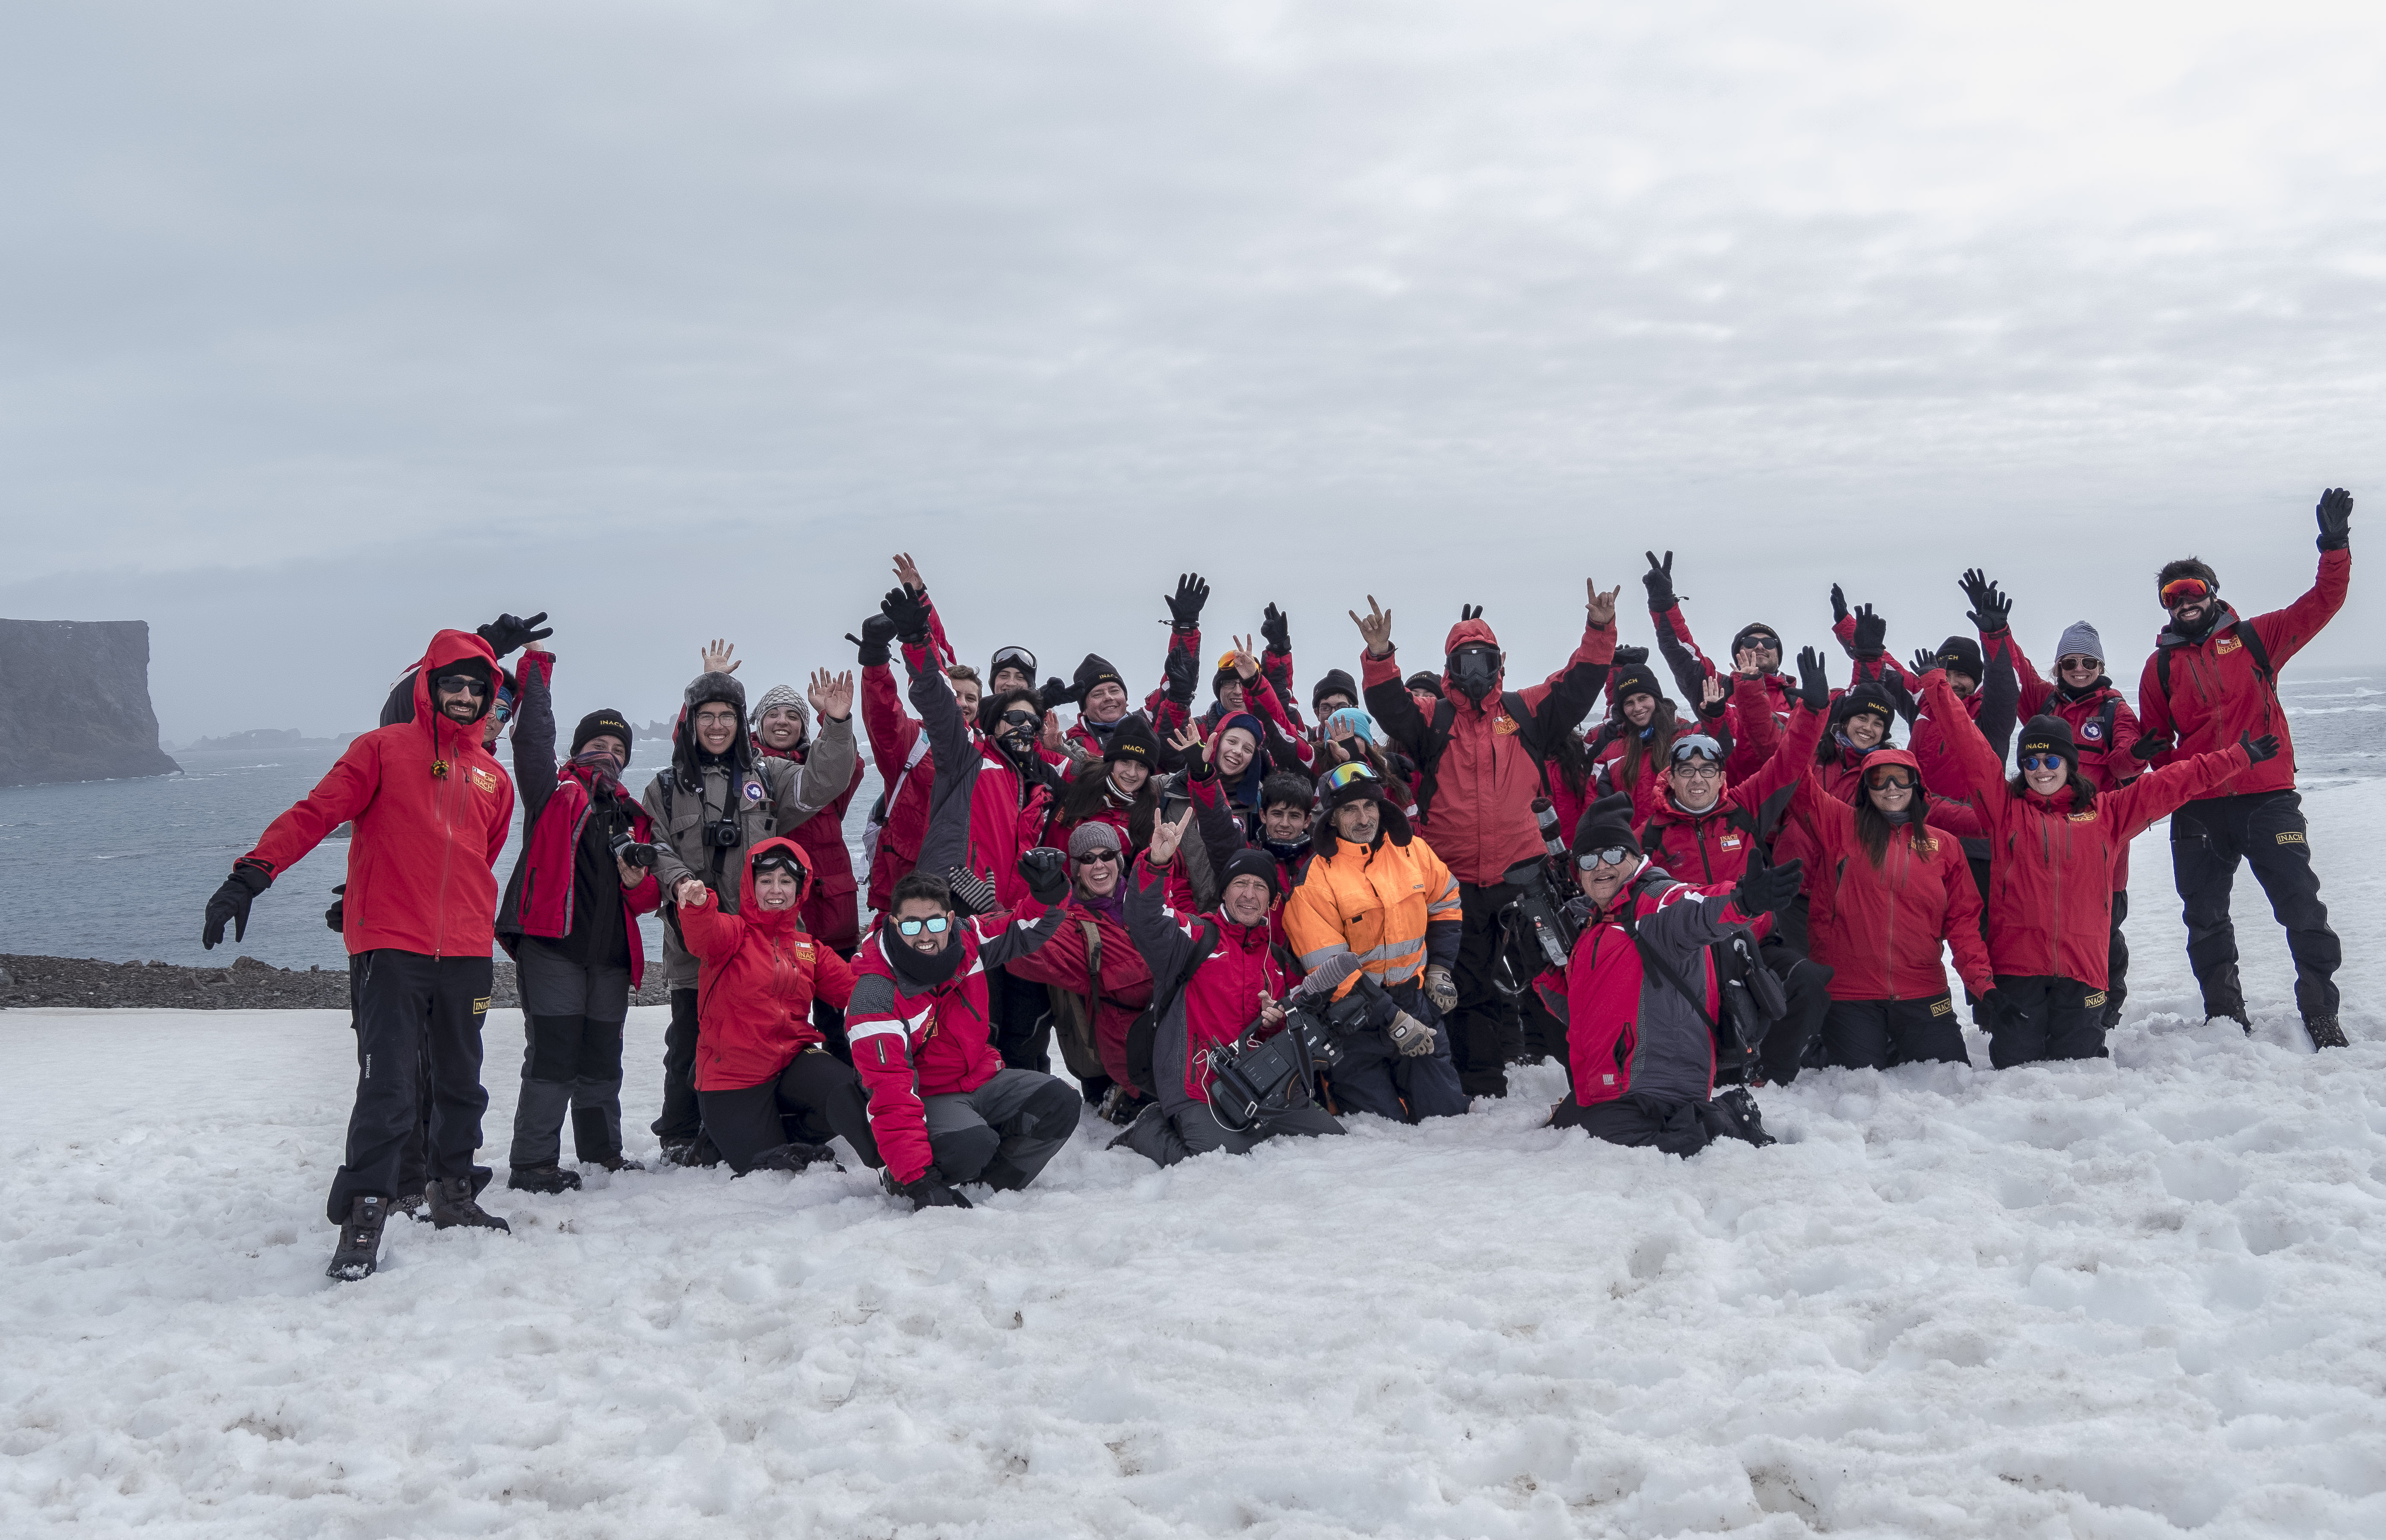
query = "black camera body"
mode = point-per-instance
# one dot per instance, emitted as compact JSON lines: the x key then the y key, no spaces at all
{"x":630,"y":851}
{"x":1252,"y":1080}
{"x":1540,"y":922}
{"x":723,"y":833}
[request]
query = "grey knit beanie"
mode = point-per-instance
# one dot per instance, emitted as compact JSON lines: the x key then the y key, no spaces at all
{"x":1090,"y":836}
{"x":782,"y":695}
{"x":2081,"y":637}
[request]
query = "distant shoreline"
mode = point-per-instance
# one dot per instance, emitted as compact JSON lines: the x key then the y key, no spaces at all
{"x":242,"y":984}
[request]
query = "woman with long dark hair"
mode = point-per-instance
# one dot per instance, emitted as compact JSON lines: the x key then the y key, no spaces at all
{"x":1113,"y":790}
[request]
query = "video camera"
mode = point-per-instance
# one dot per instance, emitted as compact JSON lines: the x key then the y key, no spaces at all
{"x":1253,"y":1079}
{"x":1540,"y":921}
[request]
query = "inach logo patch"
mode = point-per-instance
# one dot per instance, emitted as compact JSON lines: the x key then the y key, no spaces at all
{"x":1943,"y":1007}
{"x":2092,"y":1001}
{"x":481,"y":1005}
{"x":2092,"y":730}
{"x":753,"y":791}
{"x":2292,"y":836}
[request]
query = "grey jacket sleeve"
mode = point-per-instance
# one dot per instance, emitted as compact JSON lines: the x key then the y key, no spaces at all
{"x":826,"y":771}
{"x":670,"y":870}
{"x":946,"y":843}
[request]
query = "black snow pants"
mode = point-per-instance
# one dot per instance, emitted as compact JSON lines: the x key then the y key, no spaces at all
{"x":2266,"y":830}
{"x":573,"y":1014}
{"x":1634,"y":1119}
{"x":1486,"y":1032}
{"x":681,"y":1118}
{"x":816,"y":1097}
{"x":418,"y":1022}
{"x":1876,"y":1034}
{"x":2046,"y":1015}
{"x":1165,"y":1140}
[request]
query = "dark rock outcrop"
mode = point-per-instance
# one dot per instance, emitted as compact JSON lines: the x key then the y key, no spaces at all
{"x":74,"y":702}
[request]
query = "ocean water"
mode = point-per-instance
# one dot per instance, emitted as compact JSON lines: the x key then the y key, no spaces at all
{"x":121,"y":870}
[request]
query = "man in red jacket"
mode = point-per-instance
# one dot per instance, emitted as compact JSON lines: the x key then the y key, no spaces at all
{"x":2212,"y":678}
{"x":1482,"y":757}
{"x":430,"y":808}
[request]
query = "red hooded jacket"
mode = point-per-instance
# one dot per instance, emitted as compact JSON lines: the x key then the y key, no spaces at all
{"x":1880,"y":927}
{"x":1479,"y":815}
{"x":1712,"y":847}
{"x":2051,"y":864}
{"x":431,"y":808}
{"x":759,"y":975}
{"x":2216,"y":696}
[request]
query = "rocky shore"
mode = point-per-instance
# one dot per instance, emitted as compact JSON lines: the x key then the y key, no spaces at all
{"x":243,"y":984}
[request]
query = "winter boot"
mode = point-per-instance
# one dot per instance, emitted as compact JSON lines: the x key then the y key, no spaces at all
{"x":359,"y":1249}
{"x":698,"y":1151}
{"x":453,"y":1203}
{"x":409,"y":1205}
{"x":792,"y":1158}
{"x":597,"y":1142}
{"x":2324,"y":1033}
{"x":543,"y":1179}
{"x":1747,"y":1122}
{"x":2237,"y":1016}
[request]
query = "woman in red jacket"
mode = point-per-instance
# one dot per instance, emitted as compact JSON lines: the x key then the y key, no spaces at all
{"x":2054,"y":841}
{"x":1892,"y":888}
{"x":771,"y":1093}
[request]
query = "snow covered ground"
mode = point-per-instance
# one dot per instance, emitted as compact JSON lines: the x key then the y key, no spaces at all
{"x":2124,"y":1299}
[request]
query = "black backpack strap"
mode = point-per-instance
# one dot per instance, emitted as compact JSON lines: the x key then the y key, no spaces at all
{"x":2245,"y":633}
{"x":1437,"y":738}
{"x":1526,"y":734}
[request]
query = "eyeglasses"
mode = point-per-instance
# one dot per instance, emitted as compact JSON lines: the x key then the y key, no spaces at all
{"x":716,"y":718}
{"x":1345,"y":773}
{"x":2076,"y":662}
{"x":1890,"y":780}
{"x":1591,"y":860}
{"x":1697,"y":770}
{"x":1098,"y":855}
{"x":934,"y":925}
{"x":2179,"y":590}
{"x":502,"y":710}
{"x":2041,"y":761}
{"x":462,"y":684}
{"x":1020,"y":718}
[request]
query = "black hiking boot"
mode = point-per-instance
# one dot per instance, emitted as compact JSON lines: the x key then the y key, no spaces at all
{"x":793,"y":1157}
{"x":453,"y":1203}
{"x":407,"y":1206}
{"x":614,"y":1162}
{"x":543,"y":1179}
{"x":1747,"y":1121}
{"x":2324,"y":1033}
{"x":697,"y":1151}
{"x":359,"y":1249}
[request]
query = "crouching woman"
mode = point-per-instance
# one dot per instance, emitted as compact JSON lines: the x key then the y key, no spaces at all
{"x":771,"y":1093}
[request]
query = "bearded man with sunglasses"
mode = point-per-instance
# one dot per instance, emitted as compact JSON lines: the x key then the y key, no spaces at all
{"x":2212,"y":681}
{"x":431,"y":808}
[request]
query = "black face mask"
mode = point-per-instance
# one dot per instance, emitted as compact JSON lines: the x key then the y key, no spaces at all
{"x":1474,"y":670}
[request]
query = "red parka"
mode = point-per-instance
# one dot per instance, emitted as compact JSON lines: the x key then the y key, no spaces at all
{"x":2050,"y":863}
{"x":759,"y":974}
{"x":2215,"y":697}
{"x":1879,"y":926}
{"x":431,"y":808}
{"x":1125,"y":983}
{"x":1712,"y":847}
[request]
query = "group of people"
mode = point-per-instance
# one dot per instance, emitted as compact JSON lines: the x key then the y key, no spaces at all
{"x":1682,"y":897}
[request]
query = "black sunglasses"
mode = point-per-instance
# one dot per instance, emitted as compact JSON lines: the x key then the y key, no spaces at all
{"x":1020,"y":718}
{"x":468,"y":684}
{"x":1096,"y":857}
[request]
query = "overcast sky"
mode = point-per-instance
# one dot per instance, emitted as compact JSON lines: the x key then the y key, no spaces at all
{"x":323,"y":325}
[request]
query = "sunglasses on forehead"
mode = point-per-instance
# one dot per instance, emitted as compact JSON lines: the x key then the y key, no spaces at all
{"x":1344,"y":774}
{"x":1697,"y":746}
{"x":2179,"y":590}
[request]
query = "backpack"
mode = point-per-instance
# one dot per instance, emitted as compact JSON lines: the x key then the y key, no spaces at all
{"x":1147,"y":1025}
{"x":1075,"y":1015}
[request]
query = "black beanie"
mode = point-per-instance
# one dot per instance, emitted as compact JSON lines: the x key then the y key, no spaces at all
{"x":2047,"y":734}
{"x":1606,"y":824}
{"x":1868,"y":696}
{"x":1094,"y":669}
{"x":1251,"y":861}
{"x":1336,"y":683}
{"x":1755,"y":629}
{"x":1635,"y":679}
{"x":596,"y":722}
{"x":1961,"y":655}
{"x":1133,"y":739}
{"x":1429,"y":683}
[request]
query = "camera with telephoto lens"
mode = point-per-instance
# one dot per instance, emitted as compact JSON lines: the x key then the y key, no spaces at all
{"x":1540,"y":922}
{"x":630,"y":851}
{"x":1251,"y":1080}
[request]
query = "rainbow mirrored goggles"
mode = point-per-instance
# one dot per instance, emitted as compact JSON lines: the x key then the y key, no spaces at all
{"x":2179,"y":590}
{"x":1344,"y":774}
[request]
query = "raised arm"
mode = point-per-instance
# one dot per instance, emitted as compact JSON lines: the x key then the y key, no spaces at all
{"x":828,"y":768}
{"x":535,"y":734}
{"x":1560,"y":703}
{"x":2285,"y":632}
{"x":1386,"y":693}
{"x":1981,"y":768}
{"x":2161,"y":793}
{"x":1158,"y":934}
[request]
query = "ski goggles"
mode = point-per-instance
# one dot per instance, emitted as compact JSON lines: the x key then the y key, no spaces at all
{"x":1013,"y":658}
{"x":2041,"y":761}
{"x":1347,"y":774}
{"x":1614,"y":855}
{"x":778,"y":860}
{"x":1890,"y":778}
{"x":2179,"y":590}
{"x":1697,"y":746}
{"x":934,"y":925}
{"x":462,"y":684}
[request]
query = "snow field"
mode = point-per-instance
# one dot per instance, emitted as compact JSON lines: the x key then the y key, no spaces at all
{"x":2134,"y":1298}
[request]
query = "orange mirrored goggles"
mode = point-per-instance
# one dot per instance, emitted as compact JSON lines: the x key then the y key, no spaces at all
{"x":2179,"y":589}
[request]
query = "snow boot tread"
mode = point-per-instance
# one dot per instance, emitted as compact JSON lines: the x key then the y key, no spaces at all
{"x":360,"y":1248}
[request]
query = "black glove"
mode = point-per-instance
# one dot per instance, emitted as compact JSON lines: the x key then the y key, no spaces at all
{"x":230,"y":902}
{"x":1838,"y":605}
{"x":909,"y":612}
{"x":1764,"y":889}
{"x":1713,"y":710}
{"x":931,"y":1191}
{"x":2335,"y":519}
{"x":1275,"y":630}
{"x":509,"y":632}
{"x":1924,"y":661}
{"x":2146,"y":748}
{"x":1056,"y":693}
{"x":1179,"y":673}
{"x":1872,"y":632}
{"x":1814,"y":682}
{"x":1659,"y":581}
{"x":336,"y":917}
{"x":2261,"y":748}
{"x":1046,"y":872}
{"x":871,"y":646}
{"x":1184,"y":606}
{"x":1900,"y":696}
{"x":1990,"y":609}
{"x":1630,"y":658}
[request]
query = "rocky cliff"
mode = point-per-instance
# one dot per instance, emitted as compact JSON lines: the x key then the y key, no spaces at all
{"x":74,"y":702}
